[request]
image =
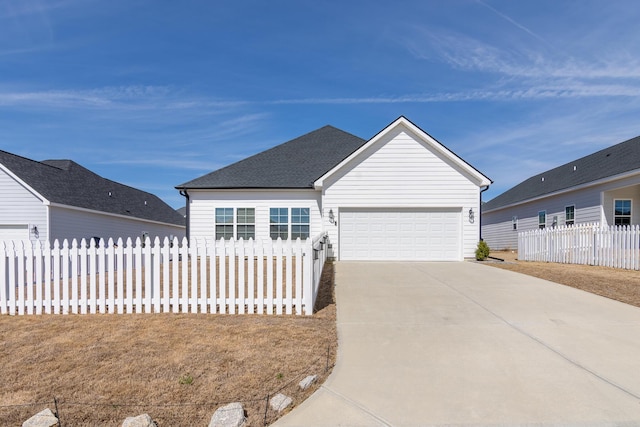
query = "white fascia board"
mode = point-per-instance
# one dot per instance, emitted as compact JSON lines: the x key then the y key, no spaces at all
{"x":569,"y":190}
{"x":25,"y":185}
{"x":402,"y":121}
{"x":134,"y":218}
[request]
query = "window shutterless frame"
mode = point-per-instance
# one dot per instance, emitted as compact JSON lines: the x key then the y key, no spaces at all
{"x":569,"y":215}
{"x":622,"y":211}
{"x":542,"y":219}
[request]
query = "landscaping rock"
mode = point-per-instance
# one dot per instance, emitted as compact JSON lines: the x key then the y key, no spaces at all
{"x":43,"y":418}
{"x":231,"y":415}
{"x":143,"y":420}
{"x":306,"y":383}
{"x":279,"y":402}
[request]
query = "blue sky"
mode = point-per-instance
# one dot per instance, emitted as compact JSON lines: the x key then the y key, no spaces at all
{"x":155,"y":93}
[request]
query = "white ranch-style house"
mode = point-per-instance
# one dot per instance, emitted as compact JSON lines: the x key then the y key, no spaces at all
{"x":602,"y":188}
{"x":400,"y":195}
{"x":59,"y":199}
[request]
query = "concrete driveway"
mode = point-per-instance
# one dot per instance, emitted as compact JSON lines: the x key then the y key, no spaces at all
{"x":467,"y":344}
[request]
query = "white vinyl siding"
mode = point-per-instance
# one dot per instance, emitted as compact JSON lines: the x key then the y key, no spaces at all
{"x":400,"y":234}
{"x":401,"y":172}
{"x":592,"y":205}
{"x":69,"y":223}
{"x":204,"y":202}
{"x":19,"y":206}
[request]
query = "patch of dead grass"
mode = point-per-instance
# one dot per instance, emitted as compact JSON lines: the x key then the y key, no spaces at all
{"x":179,"y":368}
{"x":618,"y":284}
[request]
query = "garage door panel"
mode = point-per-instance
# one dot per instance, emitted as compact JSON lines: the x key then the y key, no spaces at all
{"x":400,"y":235}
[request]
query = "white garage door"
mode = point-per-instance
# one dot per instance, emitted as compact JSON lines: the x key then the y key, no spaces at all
{"x":383,"y":234}
{"x":14,"y":232}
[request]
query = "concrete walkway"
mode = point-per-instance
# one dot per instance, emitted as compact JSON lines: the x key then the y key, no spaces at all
{"x":424,"y":344}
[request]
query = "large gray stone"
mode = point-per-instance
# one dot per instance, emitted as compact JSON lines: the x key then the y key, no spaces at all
{"x":143,"y":420}
{"x":231,"y":415}
{"x":43,"y":418}
{"x":306,"y":383}
{"x":279,"y":402}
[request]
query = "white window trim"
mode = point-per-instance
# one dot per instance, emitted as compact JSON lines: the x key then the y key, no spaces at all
{"x":573,"y":221}
{"x":235,"y":222}
{"x":290,"y":222}
{"x":630,"y":211}
{"x":544,"y":225}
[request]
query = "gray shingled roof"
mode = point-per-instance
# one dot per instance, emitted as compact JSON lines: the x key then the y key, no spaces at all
{"x":294,"y":164}
{"x":611,"y":161}
{"x":67,"y":183}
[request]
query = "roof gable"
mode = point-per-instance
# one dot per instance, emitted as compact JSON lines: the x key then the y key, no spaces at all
{"x":293,"y":164}
{"x":609,"y":162}
{"x":65,"y":182}
{"x":403,"y":123}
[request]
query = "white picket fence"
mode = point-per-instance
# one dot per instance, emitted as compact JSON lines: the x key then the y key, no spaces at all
{"x":609,"y":246}
{"x":208,"y":276}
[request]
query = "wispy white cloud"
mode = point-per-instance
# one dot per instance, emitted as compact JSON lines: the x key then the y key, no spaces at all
{"x":513,"y":21}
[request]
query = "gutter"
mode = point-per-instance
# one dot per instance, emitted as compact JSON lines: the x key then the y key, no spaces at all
{"x":480,"y":208}
{"x":186,"y":196}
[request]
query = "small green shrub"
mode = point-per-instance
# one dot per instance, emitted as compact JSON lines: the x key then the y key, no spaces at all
{"x":186,"y":379}
{"x":482,"y":252}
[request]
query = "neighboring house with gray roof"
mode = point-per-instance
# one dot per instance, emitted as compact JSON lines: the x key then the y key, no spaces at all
{"x":603,"y":188}
{"x":59,"y":199}
{"x":400,"y":195}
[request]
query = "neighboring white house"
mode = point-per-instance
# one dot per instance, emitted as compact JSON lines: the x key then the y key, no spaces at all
{"x":603,"y":188}
{"x":59,"y":199}
{"x":399,"y":196}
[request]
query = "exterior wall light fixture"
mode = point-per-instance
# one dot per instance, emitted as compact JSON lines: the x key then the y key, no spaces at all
{"x":35,"y":232}
{"x":471,"y":216}
{"x":332,"y":218}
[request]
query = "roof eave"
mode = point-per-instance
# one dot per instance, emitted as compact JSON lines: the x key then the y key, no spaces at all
{"x":568,"y":190}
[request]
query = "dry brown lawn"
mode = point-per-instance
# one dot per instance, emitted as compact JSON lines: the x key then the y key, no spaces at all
{"x":178,"y":368}
{"x":617,"y":284}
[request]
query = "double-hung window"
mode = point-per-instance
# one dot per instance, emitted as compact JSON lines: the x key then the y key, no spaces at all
{"x":279,"y":223}
{"x":246,"y":223}
{"x":622,"y":212}
{"x":224,"y":223}
{"x":542,"y":219}
{"x":288,"y":223}
{"x":299,"y":223}
{"x":235,"y":223}
{"x":569,"y":215}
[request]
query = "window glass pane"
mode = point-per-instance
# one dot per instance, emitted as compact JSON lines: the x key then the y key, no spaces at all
{"x":224,"y":232}
{"x":279,"y":215}
{"x":301,"y":231}
{"x":246,"y":232}
{"x":623,"y":220}
{"x":299,"y":215}
{"x":281,"y":231}
{"x":224,"y":215}
{"x":623,"y":207}
{"x":245,"y":215}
